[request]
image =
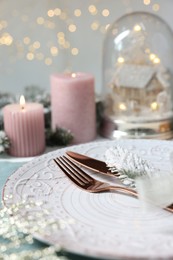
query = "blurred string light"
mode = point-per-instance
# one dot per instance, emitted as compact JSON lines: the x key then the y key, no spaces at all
{"x":26,"y":40}
{"x":32,"y":49}
{"x":77,"y":12}
{"x":48,"y":61}
{"x":40,"y":20}
{"x":156,"y":7}
{"x":105,"y":12}
{"x":74,"y":51}
{"x":137,"y":28}
{"x":30,"y":56}
{"x":6,"y":39}
{"x":72,"y":28}
{"x":95,"y":25}
{"x":54,"y":51}
{"x":36,"y":45}
{"x":56,"y":18}
{"x":154,"y":58}
{"x":147,"y":2}
{"x":57,"y":11}
{"x":92,"y":9}
{"x":51,"y":13}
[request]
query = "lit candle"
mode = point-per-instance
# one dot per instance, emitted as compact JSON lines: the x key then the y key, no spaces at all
{"x":24,"y":125}
{"x":73,"y":105}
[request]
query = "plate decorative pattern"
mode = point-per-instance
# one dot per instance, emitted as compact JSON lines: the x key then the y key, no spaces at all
{"x":106,"y":225}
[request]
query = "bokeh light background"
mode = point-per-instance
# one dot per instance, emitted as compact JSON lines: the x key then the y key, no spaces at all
{"x":40,"y":37}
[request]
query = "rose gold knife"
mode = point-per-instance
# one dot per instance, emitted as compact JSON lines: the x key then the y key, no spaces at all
{"x":90,"y":163}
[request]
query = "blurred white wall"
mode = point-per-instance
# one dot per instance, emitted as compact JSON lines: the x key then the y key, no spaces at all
{"x":40,"y":37}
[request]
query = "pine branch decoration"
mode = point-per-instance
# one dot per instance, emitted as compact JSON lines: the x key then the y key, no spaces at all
{"x":60,"y":136}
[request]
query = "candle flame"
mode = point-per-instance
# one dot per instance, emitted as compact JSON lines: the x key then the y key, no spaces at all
{"x":22,"y":102}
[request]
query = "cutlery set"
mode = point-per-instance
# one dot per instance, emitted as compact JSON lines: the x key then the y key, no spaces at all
{"x":85,"y":181}
{"x":68,"y":164}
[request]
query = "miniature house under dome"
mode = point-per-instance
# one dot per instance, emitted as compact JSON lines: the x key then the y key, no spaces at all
{"x":137,"y":78}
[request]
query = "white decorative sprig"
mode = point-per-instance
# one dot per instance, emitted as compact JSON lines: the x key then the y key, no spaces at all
{"x":4,"y":142}
{"x":129,"y":165}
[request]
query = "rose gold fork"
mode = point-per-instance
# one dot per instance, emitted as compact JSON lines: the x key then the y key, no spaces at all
{"x":85,"y":181}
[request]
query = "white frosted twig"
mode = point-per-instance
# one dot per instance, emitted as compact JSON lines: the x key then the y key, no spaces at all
{"x":129,"y":165}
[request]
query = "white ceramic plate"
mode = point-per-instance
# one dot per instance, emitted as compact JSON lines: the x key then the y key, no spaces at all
{"x":107,"y":225}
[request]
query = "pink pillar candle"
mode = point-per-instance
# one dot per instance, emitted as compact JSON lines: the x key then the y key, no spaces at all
{"x":73,"y":105}
{"x":24,"y":125}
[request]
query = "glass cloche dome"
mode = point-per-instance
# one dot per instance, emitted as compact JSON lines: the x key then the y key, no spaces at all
{"x":137,"y":78}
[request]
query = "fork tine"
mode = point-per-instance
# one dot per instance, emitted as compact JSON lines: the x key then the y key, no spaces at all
{"x":80,"y":177}
{"x":68,"y":173}
{"x":83,"y":175}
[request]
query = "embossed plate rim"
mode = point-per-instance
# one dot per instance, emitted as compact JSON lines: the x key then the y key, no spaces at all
{"x":90,"y":251}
